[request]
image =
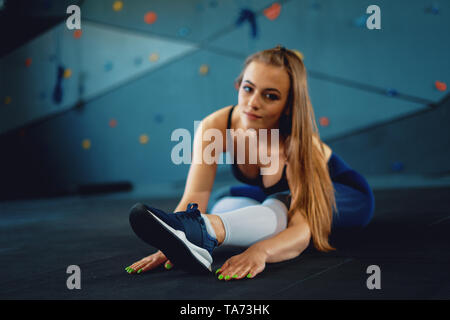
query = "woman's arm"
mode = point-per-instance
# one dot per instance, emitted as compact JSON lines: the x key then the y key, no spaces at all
{"x":289,"y":243}
{"x":286,"y":245}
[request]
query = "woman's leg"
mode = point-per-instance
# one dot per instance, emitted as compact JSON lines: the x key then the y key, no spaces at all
{"x":249,"y":216}
{"x":354,"y":198}
{"x":246,"y":220}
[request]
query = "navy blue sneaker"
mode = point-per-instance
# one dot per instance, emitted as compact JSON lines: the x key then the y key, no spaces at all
{"x":181,"y":236}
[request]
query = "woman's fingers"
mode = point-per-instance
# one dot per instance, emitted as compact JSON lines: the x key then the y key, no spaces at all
{"x":168,"y":265}
{"x":147,"y":263}
{"x":236,"y":271}
{"x":135,"y":267}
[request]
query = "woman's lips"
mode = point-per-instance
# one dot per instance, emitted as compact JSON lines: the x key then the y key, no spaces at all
{"x":252,"y":116}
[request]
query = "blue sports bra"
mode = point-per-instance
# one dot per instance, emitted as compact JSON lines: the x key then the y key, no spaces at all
{"x":281,"y":185}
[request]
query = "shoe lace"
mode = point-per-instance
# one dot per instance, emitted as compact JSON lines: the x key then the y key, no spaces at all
{"x":192,"y":211}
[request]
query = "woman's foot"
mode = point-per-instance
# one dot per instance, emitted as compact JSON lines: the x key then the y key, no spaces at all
{"x":181,"y":236}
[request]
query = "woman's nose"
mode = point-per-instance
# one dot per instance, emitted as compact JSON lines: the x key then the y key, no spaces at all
{"x":253,"y":102}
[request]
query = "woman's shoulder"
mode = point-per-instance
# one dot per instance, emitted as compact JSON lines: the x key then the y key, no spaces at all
{"x":219,"y":118}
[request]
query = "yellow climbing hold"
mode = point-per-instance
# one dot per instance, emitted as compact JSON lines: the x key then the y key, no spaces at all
{"x":204,"y":69}
{"x":67,"y":73}
{"x":118,"y":5}
{"x":154,"y":57}
{"x":143,"y":139}
{"x":86,"y":144}
{"x":8,"y":100}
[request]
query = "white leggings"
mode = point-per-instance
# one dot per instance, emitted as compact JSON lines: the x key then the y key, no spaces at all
{"x":248,"y":221}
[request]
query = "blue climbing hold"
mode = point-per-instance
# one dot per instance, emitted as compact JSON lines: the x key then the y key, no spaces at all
{"x":360,"y":22}
{"x":391,"y":92}
{"x":183,"y":31}
{"x":248,"y":15}
{"x":397,"y":166}
{"x":159,"y":118}
{"x":108,"y":66}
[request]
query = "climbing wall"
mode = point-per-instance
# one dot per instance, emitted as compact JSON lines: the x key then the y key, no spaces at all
{"x":99,"y":105}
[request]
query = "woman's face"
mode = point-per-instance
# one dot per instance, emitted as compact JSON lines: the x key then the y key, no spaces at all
{"x":263,"y":93}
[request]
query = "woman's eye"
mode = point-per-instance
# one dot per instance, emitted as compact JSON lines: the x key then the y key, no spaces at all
{"x":272,"y":96}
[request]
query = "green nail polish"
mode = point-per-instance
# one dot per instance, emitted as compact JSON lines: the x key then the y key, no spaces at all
{"x":235,"y":276}
{"x":221,"y":277}
{"x":168,"y":266}
{"x":249,"y":275}
{"x":227,"y":277}
{"x":139,"y":271}
{"x":217,"y":270}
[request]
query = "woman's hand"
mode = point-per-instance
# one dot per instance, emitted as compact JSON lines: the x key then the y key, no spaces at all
{"x":149,"y":263}
{"x":247,"y":264}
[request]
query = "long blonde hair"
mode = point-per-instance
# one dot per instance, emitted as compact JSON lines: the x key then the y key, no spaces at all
{"x":312,"y":191}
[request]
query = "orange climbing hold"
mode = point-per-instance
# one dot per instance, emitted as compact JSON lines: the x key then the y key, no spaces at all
{"x":324,"y":121}
{"x":441,"y":86}
{"x":77,"y":34}
{"x":150,"y":17}
{"x":113,"y":123}
{"x":273,"y":11}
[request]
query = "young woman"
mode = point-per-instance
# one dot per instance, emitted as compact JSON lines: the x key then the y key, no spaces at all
{"x":275,"y":217}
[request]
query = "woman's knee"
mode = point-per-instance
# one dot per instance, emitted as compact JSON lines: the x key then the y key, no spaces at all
{"x":354,"y":207}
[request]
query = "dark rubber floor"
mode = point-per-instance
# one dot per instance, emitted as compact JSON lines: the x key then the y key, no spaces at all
{"x":409,"y":239}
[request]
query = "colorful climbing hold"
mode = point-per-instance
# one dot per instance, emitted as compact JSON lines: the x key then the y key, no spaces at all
{"x":324,"y":121}
{"x":8,"y":100}
{"x":360,"y":22}
{"x":108,"y":66}
{"x":204,"y":69}
{"x":159,"y":118}
{"x":397,"y":166}
{"x":77,"y":34}
{"x":154,"y":57}
{"x":113,"y":123}
{"x":273,"y":11}
{"x":150,"y":17}
{"x":117,"y":5}
{"x":28,"y":62}
{"x":441,"y":86}
{"x":391,"y":92}
{"x":86,"y":144}
{"x":67,"y":73}
{"x":183,"y":31}
{"x":143,"y":139}
{"x":433,"y":8}
{"x":248,"y":15}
